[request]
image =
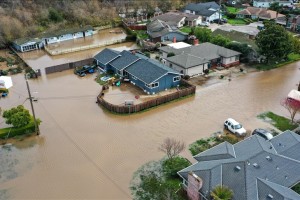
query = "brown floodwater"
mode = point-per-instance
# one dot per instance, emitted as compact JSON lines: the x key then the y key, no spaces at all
{"x":84,"y":152}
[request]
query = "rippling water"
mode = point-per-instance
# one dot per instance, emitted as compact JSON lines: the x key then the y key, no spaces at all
{"x":88,"y":153}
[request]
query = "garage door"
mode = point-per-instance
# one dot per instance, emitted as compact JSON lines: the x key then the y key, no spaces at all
{"x":195,"y":70}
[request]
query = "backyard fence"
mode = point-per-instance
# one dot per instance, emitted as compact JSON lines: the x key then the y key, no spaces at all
{"x":75,"y":49}
{"x":66,"y":66}
{"x":134,"y":26}
{"x":128,"y":109}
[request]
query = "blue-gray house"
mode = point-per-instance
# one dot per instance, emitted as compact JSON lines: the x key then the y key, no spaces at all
{"x":149,"y":75}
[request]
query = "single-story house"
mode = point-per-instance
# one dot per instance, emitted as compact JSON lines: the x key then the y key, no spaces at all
{"x":159,"y":31}
{"x":209,"y":10}
{"x":179,"y":19}
{"x":194,"y":60}
{"x":254,"y":169}
{"x":267,"y":3}
{"x":27,"y":44}
{"x":259,"y":13}
{"x":172,"y":19}
{"x":149,"y":75}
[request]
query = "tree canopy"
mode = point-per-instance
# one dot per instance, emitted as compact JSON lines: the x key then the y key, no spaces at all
{"x":203,"y":34}
{"x":273,"y":42}
{"x":221,"y":192}
{"x":18,"y":116}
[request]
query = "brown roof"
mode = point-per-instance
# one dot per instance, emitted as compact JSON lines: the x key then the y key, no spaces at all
{"x":261,"y":13}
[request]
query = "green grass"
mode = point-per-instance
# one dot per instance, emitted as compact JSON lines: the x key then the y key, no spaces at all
{"x":29,"y":128}
{"x":278,"y":121}
{"x":142,"y":35}
{"x":233,"y":9}
{"x":291,"y":58}
{"x":236,"y":21}
{"x":186,"y":29}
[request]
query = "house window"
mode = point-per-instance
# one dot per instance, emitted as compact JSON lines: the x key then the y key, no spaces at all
{"x":134,"y":78}
{"x":152,"y":85}
{"x":236,"y":58}
{"x":176,"y":78}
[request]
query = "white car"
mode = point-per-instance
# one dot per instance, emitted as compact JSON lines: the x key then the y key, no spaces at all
{"x":234,"y":127}
{"x":204,"y":24}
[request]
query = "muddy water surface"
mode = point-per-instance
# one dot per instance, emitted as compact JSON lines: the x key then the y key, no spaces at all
{"x":88,"y":153}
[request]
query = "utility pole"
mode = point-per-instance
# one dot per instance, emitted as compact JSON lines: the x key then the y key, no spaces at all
{"x":219,"y":21}
{"x":37,"y":130}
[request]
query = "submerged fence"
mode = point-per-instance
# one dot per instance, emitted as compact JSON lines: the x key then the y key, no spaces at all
{"x":128,"y":109}
{"x":66,"y":66}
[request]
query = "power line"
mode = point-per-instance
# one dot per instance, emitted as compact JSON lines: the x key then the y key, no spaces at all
{"x":84,"y":153}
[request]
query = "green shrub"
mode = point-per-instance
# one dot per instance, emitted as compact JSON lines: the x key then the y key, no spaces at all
{"x":147,"y":54}
{"x":172,"y":166}
{"x":231,"y":16}
{"x":3,"y":90}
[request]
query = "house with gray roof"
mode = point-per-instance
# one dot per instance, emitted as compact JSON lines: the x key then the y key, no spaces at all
{"x":194,"y":60}
{"x":27,"y":44}
{"x":267,"y":3}
{"x":160,"y":31}
{"x":255,"y":169}
{"x":149,"y":75}
{"x":179,"y":19}
{"x":209,"y":10}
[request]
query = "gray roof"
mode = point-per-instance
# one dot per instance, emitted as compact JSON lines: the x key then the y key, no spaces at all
{"x":158,"y":28}
{"x":124,"y":60}
{"x":22,"y":41}
{"x":221,"y":151}
{"x":106,"y":56}
{"x":203,"y":8}
{"x":148,"y":71}
{"x":187,"y":60}
{"x":278,"y":192}
{"x":255,"y":158}
{"x":171,"y":18}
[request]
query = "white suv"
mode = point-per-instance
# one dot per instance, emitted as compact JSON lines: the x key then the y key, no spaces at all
{"x":234,"y":127}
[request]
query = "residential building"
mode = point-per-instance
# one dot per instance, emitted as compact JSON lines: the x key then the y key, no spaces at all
{"x":149,"y":75}
{"x":178,"y":19}
{"x":267,"y":3}
{"x":194,"y":60}
{"x":254,"y":169}
{"x":27,"y":44}
{"x":293,"y":23}
{"x":159,"y":31}
{"x":259,"y":13}
{"x":209,"y":11}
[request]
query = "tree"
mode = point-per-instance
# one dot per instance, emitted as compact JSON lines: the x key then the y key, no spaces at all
{"x":273,"y":42}
{"x":292,"y":105}
{"x":172,"y":166}
{"x":164,"y":5}
{"x":276,"y":7}
{"x":54,"y":15}
{"x":18,"y":116}
{"x":172,"y":147}
{"x":203,"y":34}
{"x":240,"y":47}
{"x":220,"y":40}
{"x":221,"y":192}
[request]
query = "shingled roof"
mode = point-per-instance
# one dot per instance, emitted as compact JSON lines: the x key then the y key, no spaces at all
{"x":261,"y":13}
{"x":106,"y":56}
{"x":171,"y":18}
{"x":256,"y":169}
{"x":124,"y":60}
{"x":203,"y":9}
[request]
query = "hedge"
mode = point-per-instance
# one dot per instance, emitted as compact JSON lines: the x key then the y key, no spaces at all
{"x":29,"y":128}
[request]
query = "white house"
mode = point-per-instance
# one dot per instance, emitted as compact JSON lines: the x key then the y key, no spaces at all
{"x":209,"y":10}
{"x":267,"y":3}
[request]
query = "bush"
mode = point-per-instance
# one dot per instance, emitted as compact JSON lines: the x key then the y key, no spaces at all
{"x":186,"y":77}
{"x":231,"y":16}
{"x":206,"y":71}
{"x":172,"y":166}
{"x":147,"y":54}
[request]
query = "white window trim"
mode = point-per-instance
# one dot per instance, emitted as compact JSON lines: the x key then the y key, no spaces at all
{"x":134,"y":78}
{"x":176,"y":77}
{"x":150,"y":87}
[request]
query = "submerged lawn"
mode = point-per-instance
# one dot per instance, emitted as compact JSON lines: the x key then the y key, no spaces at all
{"x":278,"y":121}
{"x":293,"y":57}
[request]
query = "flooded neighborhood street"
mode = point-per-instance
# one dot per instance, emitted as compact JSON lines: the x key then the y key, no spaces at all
{"x":85,"y":152}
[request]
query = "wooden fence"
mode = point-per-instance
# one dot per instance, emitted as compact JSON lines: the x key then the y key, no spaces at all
{"x":134,"y":26}
{"x":129,"y":109}
{"x":66,"y":66}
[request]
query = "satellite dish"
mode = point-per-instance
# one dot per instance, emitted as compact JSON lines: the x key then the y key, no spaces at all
{"x":233,"y":2}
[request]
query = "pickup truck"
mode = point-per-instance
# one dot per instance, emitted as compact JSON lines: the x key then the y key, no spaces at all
{"x":84,"y":70}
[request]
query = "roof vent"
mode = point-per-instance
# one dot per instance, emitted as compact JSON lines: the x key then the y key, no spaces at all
{"x":255,"y":165}
{"x":277,"y":167}
{"x":270,"y":196}
{"x":237,"y":168}
{"x":286,"y":177}
{"x":269,"y":158}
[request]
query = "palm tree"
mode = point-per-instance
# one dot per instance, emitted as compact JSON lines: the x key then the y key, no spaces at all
{"x":221,"y":192}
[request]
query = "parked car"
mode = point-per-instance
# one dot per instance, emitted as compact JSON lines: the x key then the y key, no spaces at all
{"x":234,"y":127}
{"x":263,"y":133}
{"x":204,"y":24}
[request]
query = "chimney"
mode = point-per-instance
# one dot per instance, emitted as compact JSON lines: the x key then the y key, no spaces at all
{"x":133,"y":52}
{"x":174,"y":39}
{"x":193,"y":187}
{"x":196,"y":42}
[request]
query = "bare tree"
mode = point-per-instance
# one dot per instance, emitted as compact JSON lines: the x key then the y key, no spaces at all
{"x":172,"y":147}
{"x":292,"y":105}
